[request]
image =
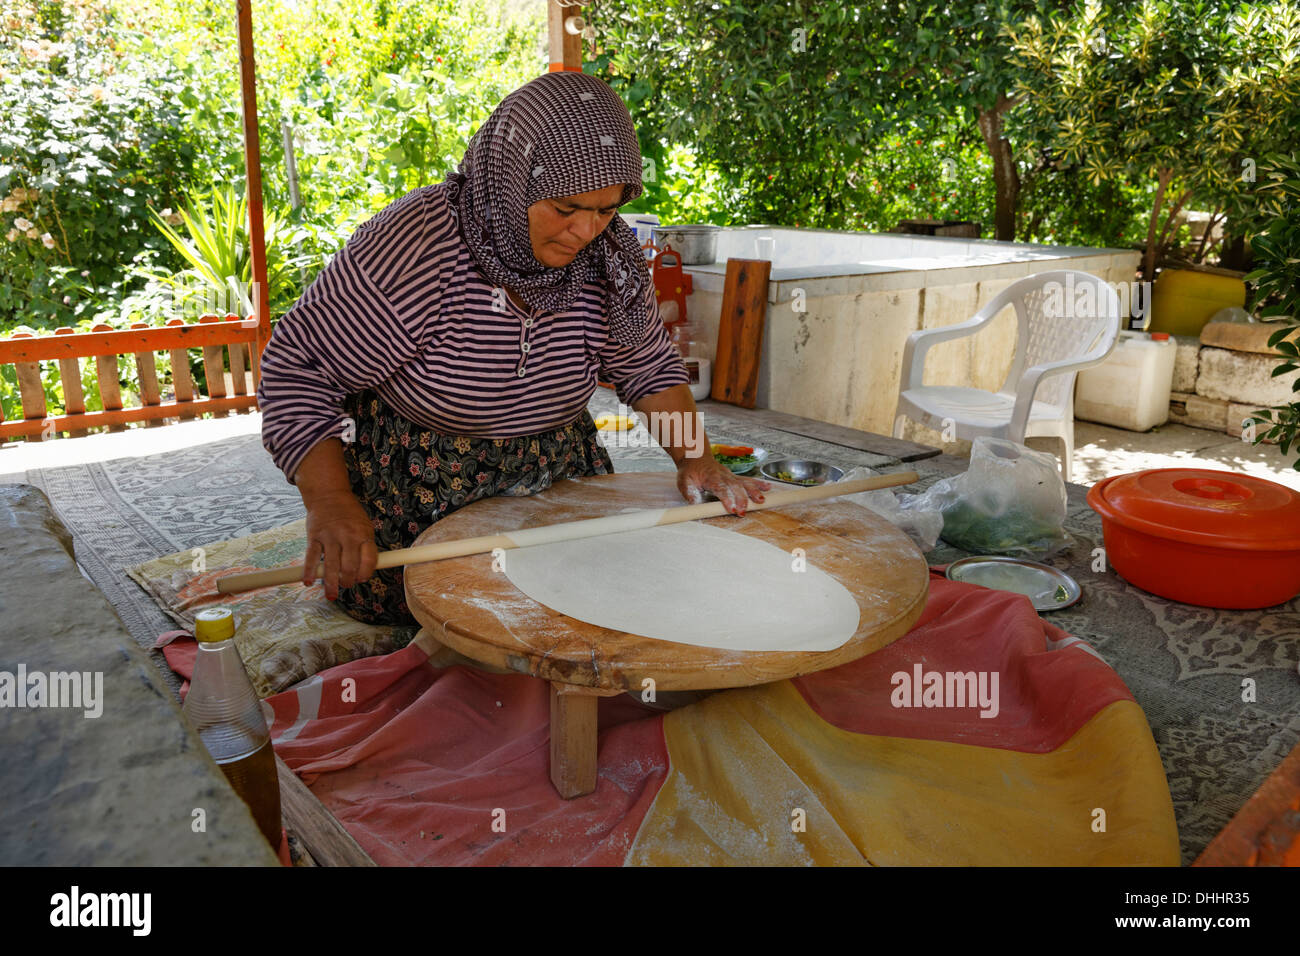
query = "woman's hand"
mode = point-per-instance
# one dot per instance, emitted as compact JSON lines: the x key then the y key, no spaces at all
{"x":340,"y":532}
{"x":695,"y":476}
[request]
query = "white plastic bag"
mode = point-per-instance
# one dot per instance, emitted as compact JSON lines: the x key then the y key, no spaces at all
{"x":1011,"y":500}
{"x":918,"y":521}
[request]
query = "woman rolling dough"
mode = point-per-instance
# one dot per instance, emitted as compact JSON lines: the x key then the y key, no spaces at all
{"x":448,"y":352}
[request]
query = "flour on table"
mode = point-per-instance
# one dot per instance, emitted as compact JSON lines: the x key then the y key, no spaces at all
{"x":690,"y":583}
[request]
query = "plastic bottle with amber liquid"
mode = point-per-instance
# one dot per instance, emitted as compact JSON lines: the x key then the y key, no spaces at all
{"x":224,"y":710}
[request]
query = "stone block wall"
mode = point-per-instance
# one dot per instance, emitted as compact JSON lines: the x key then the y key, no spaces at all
{"x":1225,"y":375}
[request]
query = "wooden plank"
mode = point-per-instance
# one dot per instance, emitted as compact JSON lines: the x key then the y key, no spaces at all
{"x":216,"y":406}
{"x":182,"y":381}
{"x":1266,"y":831}
{"x":110,"y":391}
{"x":214,"y":364}
{"x":31,"y":392}
{"x":147,"y":372}
{"x":74,"y":399}
{"x":237,"y":379}
{"x":108,"y":341}
{"x":823,"y":431}
{"x":308,"y":820}
{"x":573,"y":740}
{"x":565,"y":48}
{"x":740,"y":332}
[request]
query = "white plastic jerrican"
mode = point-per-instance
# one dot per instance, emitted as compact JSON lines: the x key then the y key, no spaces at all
{"x":1131,"y":388}
{"x":701,"y":373}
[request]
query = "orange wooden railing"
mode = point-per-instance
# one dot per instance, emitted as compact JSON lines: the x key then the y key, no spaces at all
{"x":215,"y":335}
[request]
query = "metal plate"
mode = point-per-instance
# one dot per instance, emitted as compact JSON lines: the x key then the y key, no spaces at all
{"x":1046,"y":587}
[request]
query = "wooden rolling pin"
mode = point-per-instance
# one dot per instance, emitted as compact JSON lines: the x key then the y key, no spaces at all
{"x":568,"y":530}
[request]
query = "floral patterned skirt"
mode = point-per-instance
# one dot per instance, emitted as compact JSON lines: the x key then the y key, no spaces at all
{"x":407,"y":477}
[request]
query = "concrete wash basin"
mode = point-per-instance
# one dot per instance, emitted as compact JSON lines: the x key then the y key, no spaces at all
{"x":841,"y":305}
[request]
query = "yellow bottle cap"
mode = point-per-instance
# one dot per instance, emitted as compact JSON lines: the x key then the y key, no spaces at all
{"x":214,"y":624}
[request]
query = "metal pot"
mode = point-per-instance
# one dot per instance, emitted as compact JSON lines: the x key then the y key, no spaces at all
{"x":696,"y":244}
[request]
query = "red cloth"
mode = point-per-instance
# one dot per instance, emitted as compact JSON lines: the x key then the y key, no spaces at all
{"x":427,"y":765}
{"x":179,"y":649}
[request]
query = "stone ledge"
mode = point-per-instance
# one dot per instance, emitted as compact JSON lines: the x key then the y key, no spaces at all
{"x":1198,"y":411}
{"x":1187,"y":361}
{"x":119,"y":789}
{"x":1243,"y":377}
{"x":1241,"y":336}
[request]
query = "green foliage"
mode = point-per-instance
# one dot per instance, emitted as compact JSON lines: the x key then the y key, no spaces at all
{"x":91,"y":137}
{"x":807,"y":112}
{"x":1059,"y":207}
{"x":218,"y":250}
{"x":381,"y":96}
{"x":1275,"y":290}
{"x":1175,"y":97}
{"x":780,"y":123}
{"x":796,"y":111}
{"x":122,"y":108}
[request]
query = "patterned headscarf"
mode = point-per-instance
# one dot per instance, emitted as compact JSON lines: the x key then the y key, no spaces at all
{"x":562,"y":134}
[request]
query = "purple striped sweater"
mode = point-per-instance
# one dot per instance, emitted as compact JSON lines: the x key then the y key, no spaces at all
{"x":404,"y":309}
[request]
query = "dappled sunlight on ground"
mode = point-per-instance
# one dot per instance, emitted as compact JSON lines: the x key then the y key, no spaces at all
{"x":1101,"y":451}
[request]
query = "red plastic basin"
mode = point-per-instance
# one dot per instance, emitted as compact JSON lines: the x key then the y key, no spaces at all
{"x":1199,"y":536}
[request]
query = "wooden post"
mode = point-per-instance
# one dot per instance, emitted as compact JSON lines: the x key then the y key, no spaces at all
{"x":74,"y":400}
{"x":182,"y":382}
{"x":573,"y":737}
{"x":110,"y":390}
{"x":31,"y":390}
{"x":253,"y":166}
{"x":566,"y":48}
{"x":214,"y":364}
{"x":147,"y":372}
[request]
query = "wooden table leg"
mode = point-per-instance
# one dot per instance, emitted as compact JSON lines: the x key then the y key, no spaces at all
{"x":573,"y":737}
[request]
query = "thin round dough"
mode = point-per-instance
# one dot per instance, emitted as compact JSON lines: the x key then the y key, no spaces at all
{"x":690,"y":583}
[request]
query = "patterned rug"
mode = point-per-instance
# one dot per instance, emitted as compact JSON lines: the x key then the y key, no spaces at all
{"x":1185,"y":665}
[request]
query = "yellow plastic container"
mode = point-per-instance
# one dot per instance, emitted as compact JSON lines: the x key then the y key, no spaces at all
{"x":1183,"y":301}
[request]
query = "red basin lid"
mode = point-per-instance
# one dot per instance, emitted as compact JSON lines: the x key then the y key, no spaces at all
{"x":1225,"y":509}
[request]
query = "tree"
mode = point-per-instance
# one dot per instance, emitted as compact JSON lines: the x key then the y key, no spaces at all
{"x":787,"y":99}
{"x":1185,"y":95}
{"x":956,"y":57}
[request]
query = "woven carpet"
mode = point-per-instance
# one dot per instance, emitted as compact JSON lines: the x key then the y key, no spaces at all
{"x":1185,"y":665}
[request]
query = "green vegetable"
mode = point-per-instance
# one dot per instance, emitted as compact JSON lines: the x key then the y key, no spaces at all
{"x":1016,"y":532}
{"x":786,"y":476}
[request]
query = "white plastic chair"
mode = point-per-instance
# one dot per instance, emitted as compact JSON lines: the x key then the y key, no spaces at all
{"x":1037,"y":398}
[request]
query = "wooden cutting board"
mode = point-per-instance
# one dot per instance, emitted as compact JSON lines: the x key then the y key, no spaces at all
{"x":740,"y":332}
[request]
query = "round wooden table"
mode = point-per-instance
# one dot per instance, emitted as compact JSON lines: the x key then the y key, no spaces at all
{"x":474,"y":609}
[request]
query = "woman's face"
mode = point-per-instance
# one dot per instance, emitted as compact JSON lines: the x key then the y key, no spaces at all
{"x":560,"y":228}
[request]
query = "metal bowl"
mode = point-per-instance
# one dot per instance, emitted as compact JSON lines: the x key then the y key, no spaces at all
{"x":696,"y":244}
{"x":802,"y":470}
